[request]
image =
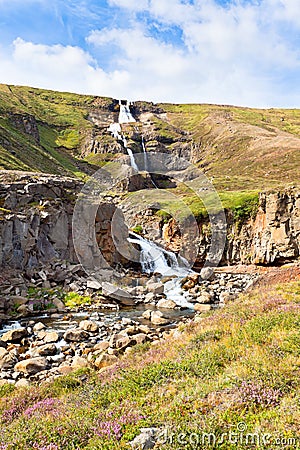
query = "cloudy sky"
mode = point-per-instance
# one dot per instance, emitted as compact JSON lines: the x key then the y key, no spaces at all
{"x":242,"y":52}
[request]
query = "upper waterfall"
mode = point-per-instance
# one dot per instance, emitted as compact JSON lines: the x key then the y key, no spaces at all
{"x":115,"y":129}
{"x":125,"y":115}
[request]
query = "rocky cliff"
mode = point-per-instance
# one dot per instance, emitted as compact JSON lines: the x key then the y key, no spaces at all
{"x":270,"y":236}
{"x":36,"y":221}
{"x":273,"y":236}
{"x":36,"y":226}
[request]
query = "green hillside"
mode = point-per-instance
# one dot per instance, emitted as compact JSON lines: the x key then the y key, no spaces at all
{"x":64,"y":133}
{"x":62,"y":123}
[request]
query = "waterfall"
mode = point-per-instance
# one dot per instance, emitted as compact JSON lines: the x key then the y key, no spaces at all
{"x":130,"y":153}
{"x":145,"y":155}
{"x":156,"y":259}
{"x":125,"y":115}
{"x":152,"y":257}
{"x":115,"y":129}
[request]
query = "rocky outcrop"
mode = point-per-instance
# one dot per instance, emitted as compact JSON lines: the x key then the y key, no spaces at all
{"x":36,"y":222}
{"x":27,"y":124}
{"x":273,"y":236}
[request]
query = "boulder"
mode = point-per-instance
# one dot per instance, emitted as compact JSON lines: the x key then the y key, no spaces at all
{"x":119,"y":341}
{"x":75,"y":335}
{"x":45,"y":350}
{"x":18,"y":300}
{"x":24,"y":310}
{"x":65,"y":369}
{"x":155,"y":288}
{"x":93,"y":284}
{"x":101,"y":346}
{"x":157,"y":318}
{"x":38,"y":327}
{"x":145,"y":440}
{"x":48,"y":337}
{"x":201,"y":307}
{"x":207,"y":273}
{"x":150,"y":297}
{"x":22,"y":383}
{"x":194,"y":277}
{"x":105,"y":361}
{"x":187,"y":285}
{"x":31,"y":366}
{"x":138,"y":338}
{"x":147,"y":314}
{"x":166,"y":303}
{"x":7,"y":360}
{"x":122,"y":296}
{"x":78,"y":362}
{"x":205,"y":297}
{"x":59,"y":304}
{"x":89,"y":325}
{"x":14,"y":335}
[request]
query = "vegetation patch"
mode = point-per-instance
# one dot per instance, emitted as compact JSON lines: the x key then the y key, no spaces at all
{"x":72,"y":300}
{"x":235,"y":367}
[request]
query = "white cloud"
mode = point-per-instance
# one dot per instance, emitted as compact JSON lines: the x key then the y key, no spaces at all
{"x":286,"y":10}
{"x":135,"y":5}
{"x":229,"y":55}
{"x":236,"y":54}
{"x":57,"y":67}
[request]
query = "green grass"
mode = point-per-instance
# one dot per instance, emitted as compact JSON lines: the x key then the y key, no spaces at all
{"x":62,"y":122}
{"x":242,"y":204}
{"x":68,"y":138}
{"x":138,"y":229}
{"x":237,"y":365}
{"x":238,"y":148}
{"x":72,"y":300}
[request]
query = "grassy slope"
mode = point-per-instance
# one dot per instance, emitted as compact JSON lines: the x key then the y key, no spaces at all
{"x":62,"y":122}
{"x":242,"y":148}
{"x":236,"y":365}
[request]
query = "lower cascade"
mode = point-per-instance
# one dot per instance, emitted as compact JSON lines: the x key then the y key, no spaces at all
{"x":155,"y":259}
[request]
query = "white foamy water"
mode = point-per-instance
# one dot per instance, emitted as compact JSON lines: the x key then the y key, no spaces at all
{"x":156,"y":259}
{"x":115,"y":129}
{"x":125,"y":115}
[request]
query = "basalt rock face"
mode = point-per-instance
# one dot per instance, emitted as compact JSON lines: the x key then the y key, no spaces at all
{"x":275,"y":236}
{"x":27,"y":124}
{"x":271,"y":237}
{"x":36,"y":217}
{"x":35,"y":225}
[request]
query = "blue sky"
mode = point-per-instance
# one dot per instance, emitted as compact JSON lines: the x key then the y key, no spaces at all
{"x":242,"y":52}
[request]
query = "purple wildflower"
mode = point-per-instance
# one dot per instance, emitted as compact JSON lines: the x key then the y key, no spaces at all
{"x":48,"y":405}
{"x":258,"y":394}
